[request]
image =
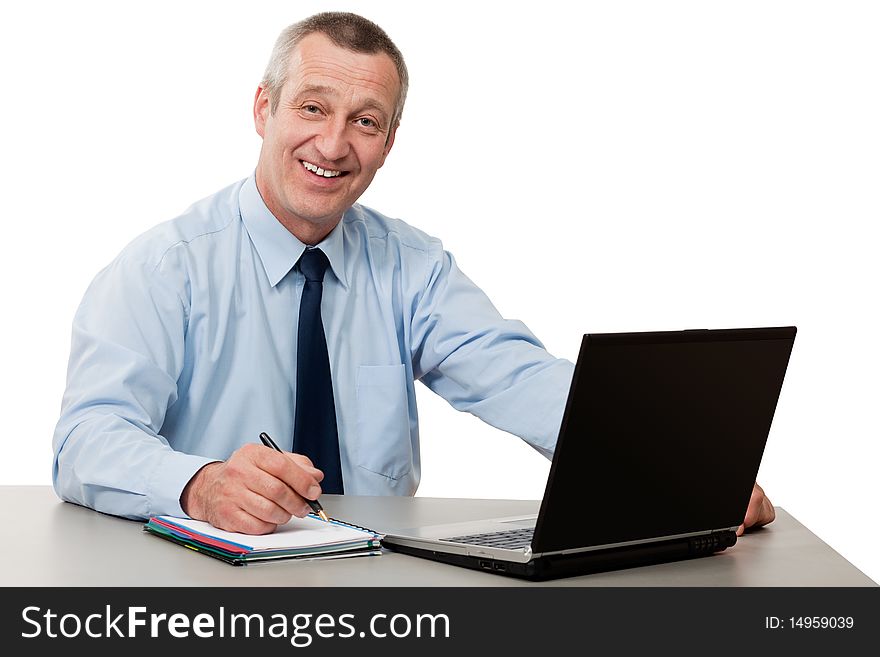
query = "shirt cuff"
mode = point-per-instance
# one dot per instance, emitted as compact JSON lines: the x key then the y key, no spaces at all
{"x":169,"y":480}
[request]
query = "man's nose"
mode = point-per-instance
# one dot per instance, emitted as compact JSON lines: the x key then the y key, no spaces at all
{"x":332,"y":141}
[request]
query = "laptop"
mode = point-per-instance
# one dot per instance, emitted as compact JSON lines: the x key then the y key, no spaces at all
{"x":657,"y":454}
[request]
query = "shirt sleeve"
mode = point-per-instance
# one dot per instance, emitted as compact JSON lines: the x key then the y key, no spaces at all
{"x":127,"y":352}
{"x":492,"y":367}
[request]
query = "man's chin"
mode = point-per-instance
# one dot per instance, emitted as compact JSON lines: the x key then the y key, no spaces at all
{"x":321,"y":218}
{"x":309,"y":225}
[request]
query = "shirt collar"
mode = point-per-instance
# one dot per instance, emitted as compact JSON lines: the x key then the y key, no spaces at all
{"x":277,"y":247}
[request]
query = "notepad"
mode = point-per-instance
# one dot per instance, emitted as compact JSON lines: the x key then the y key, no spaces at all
{"x":301,"y":538}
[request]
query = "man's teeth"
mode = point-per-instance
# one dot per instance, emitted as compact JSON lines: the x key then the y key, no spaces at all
{"x":321,"y":172}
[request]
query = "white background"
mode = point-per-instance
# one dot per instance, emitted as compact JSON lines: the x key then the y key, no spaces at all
{"x":593,"y":166}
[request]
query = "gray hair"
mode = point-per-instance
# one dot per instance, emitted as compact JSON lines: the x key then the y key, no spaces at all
{"x":346,"y":30}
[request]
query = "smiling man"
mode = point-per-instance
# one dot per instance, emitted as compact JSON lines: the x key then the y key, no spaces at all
{"x":281,"y":305}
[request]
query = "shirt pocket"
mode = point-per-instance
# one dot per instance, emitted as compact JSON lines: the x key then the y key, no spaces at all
{"x":383,"y":443}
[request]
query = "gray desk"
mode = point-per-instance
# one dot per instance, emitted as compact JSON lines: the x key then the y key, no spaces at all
{"x":63,"y":544}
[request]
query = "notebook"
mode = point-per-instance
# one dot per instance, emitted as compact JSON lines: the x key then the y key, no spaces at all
{"x":301,"y":538}
{"x":656,"y":457}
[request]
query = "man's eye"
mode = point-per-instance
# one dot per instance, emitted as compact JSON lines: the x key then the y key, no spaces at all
{"x":365,"y":122}
{"x":311,"y":109}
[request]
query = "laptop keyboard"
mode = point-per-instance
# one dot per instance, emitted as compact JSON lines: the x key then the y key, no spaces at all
{"x":511,"y":539}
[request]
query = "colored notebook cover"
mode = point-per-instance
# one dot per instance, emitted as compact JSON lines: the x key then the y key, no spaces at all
{"x":301,"y":538}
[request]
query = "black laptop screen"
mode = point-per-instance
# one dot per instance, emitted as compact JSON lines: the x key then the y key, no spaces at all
{"x":663,"y":434}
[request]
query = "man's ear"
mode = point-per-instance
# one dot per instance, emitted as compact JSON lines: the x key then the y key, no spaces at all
{"x":389,"y":142}
{"x":261,"y":110}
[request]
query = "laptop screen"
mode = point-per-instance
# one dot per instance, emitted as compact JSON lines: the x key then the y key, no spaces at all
{"x":663,"y":434}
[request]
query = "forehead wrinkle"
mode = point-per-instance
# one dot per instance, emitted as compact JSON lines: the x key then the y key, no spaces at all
{"x":350,"y":75}
{"x":374,"y":71}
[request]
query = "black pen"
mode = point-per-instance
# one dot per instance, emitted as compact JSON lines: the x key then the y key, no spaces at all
{"x":316,"y":506}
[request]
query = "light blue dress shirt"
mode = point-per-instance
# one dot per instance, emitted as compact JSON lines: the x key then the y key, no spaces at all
{"x":184,"y":349}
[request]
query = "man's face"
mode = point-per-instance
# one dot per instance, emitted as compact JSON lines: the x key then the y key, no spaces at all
{"x":329,"y":135}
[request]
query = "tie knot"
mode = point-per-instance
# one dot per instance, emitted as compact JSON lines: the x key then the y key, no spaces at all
{"x":313,"y":263}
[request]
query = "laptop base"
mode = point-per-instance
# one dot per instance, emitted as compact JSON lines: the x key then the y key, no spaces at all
{"x":582,"y":563}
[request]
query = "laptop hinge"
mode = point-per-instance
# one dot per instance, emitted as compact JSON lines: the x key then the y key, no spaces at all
{"x":715,"y":541}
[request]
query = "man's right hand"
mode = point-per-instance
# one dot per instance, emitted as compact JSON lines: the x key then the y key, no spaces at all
{"x":253,"y":491}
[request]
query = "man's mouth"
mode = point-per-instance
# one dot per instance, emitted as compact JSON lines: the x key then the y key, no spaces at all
{"x":324,"y":173}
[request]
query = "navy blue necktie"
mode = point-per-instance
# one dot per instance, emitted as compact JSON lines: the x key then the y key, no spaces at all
{"x":314,"y":428}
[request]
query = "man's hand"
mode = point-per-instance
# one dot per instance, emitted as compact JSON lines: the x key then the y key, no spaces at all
{"x":253,"y":491}
{"x":759,"y":513}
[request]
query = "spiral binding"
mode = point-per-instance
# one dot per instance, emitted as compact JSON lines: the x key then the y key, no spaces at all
{"x":366,"y":530}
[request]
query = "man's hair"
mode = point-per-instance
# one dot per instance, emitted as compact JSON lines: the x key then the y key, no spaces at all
{"x":346,"y":30}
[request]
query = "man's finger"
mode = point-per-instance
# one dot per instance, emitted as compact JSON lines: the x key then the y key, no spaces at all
{"x":276,"y":490}
{"x":306,"y":464}
{"x":302,"y":481}
{"x":754,"y":510}
{"x":263,"y":508}
{"x":239,"y":520}
{"x":768,"y":513}
{"x":760,"y":510}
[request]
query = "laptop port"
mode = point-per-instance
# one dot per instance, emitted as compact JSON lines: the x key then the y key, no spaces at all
{"x":486,"y":564}
{"x":499,"y":566}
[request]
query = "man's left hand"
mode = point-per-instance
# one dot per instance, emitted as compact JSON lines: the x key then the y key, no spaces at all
{"x":759,"y":513}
